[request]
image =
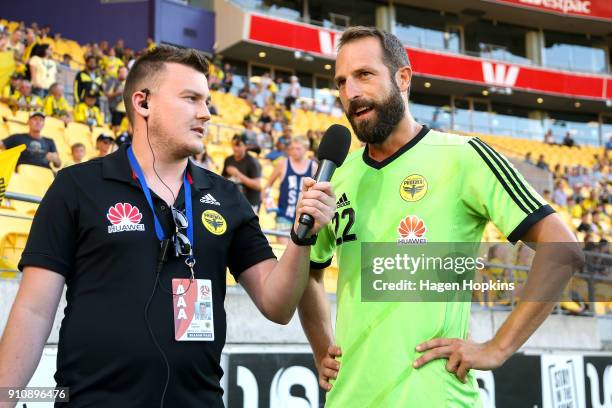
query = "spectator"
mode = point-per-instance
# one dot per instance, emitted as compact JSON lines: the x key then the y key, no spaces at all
{"x":245,"y":92}
{"x":263,"y":90}
{"x":546,"y":196}
{"x":25,"y":100}
{"x":40,"y":150}
{"x":280,"y":148}
{"x":205,"y":161}
{"x":591,"y":202}
{"x":574,"y":209}
{"x":291,"y":171}
{"x":336,"y":110}
{"x":66,"y":62}
{"x":87,"y":112}
{"x":323,"y":107}
{"x":10,"y":89}
{"x":293,"y":92}
{"x":574,"y":179}
{"x":119,"y":45}
{"x":542,"y":164}
{"x":608,"y":146}
{"x":244,"y":170}
{"x":150,"y":44}
{"x":31,"y":42}
{"x":56,"y":105}
{"x":111,"y":64}
{"x":77,"y":154}
{"x":88,"y":80}
{"x":228,"y":78}
{"x":43,"y":70}
{"x":585,"y":225}
{"x":114,"y":93}
{"x":598,"y":225}
{"x":527,"y":158}
{"x":104,"y":145}
{"x":251,"y":137}
{"x":568,"y":140}
{"x":558,"y":196}
{"x":549,"y":138}
{"x":15,"y":44}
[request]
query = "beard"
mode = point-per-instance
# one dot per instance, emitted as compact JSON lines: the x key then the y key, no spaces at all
{"x":388,"y":113}
{"x":175,"y":148}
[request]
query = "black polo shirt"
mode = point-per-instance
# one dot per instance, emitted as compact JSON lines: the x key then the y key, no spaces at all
{"x":106,"y":355}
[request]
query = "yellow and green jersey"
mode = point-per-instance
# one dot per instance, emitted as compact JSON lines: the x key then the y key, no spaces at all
{"x":439,"y":187}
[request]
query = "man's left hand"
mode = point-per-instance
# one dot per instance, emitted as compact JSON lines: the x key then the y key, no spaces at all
{"x":462,"y":355}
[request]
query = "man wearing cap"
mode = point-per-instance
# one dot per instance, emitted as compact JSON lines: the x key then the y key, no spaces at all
{"x":244,"y":170}
{"x":87,"y":112}
{"x":104,"y":145}
{"x":40,"y":150}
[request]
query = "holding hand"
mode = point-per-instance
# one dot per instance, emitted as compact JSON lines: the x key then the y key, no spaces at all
{"x":318,"y":201}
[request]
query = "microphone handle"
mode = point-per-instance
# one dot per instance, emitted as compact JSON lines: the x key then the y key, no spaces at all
{"x":324,"y":173}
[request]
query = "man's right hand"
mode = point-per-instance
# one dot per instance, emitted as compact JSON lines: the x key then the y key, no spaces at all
{"x":328,"y":367}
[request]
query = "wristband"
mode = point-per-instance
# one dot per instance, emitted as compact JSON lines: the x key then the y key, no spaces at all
{"x":302,"y":242}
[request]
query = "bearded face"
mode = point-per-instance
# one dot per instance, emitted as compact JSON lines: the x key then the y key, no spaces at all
{"x":374,"y":120}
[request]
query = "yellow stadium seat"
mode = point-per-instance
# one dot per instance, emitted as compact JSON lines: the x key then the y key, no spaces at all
{"x":16,"y":127}
{"x":13,"y":236}
{"x":32,"y":180}
{"x":78,"y":133}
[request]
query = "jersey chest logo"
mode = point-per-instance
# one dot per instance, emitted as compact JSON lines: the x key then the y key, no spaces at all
{"x":413,"y":188}
{"x":412,"y":230}
{"x":124,"y":217}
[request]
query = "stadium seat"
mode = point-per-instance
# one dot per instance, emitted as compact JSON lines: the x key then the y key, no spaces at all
{"x":78,"y":133}
{"x":13,"y":236}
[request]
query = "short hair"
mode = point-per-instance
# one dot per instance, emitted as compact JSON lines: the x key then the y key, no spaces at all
{"x":150,"y":65}
{"x":76,"y":146}
{"x":394,"y":53}
{"x":301,"y":140}
{"x":239,"y":138}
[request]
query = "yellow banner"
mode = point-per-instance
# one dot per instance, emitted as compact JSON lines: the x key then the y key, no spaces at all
{"x":8,"y":161}
{"x":7,"y":67}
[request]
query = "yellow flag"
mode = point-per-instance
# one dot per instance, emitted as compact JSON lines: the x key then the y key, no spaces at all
{"x":8,"y":161}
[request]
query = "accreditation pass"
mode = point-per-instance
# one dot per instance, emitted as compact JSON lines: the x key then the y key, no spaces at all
{"x":193,"y":310}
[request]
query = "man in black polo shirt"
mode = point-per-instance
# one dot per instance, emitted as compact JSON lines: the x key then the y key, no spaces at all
{"x":244,"y":170}
{"x":40,"y":150}
{"x":138,"y":257}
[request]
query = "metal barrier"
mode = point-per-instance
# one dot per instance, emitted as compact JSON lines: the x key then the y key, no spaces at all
{"x":598,"y":269}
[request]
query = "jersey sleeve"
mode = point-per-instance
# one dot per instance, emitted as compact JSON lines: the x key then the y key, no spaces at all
{"x":494,"y":190}
{"x":322,"y":251}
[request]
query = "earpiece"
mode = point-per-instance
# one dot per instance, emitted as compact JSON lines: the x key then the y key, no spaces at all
{"x":145,"y":104}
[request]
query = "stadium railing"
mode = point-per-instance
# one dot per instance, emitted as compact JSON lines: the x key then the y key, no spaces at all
{"x":588,"y":294}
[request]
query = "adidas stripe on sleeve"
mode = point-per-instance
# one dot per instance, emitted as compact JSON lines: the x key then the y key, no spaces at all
{"x":496,"y":191}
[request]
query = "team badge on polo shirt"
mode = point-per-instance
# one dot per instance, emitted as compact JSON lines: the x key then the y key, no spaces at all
{"x":214,"y":222}
{"x":413,"y":188}
{"x":124,"y":217}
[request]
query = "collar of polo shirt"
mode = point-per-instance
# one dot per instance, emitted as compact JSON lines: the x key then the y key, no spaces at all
{"x":116,"y":166}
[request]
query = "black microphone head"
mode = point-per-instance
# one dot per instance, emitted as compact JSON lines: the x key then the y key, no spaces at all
{"x":335,"y":144}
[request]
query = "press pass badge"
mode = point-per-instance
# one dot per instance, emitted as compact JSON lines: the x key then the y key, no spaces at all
{"x":193,"y":310}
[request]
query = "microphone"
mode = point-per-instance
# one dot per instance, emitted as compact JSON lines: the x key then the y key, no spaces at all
{"x":332,"y":151}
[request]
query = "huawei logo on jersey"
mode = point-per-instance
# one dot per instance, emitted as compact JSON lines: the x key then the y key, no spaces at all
{"x":124,"y":217}
{"x":412,"y":230}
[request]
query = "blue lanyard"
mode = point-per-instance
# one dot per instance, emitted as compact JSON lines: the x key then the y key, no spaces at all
{"x":143,"y":183}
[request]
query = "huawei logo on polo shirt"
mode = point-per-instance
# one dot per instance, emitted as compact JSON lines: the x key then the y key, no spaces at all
{"x":412,"y":230}
{"x":124,"y":217}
